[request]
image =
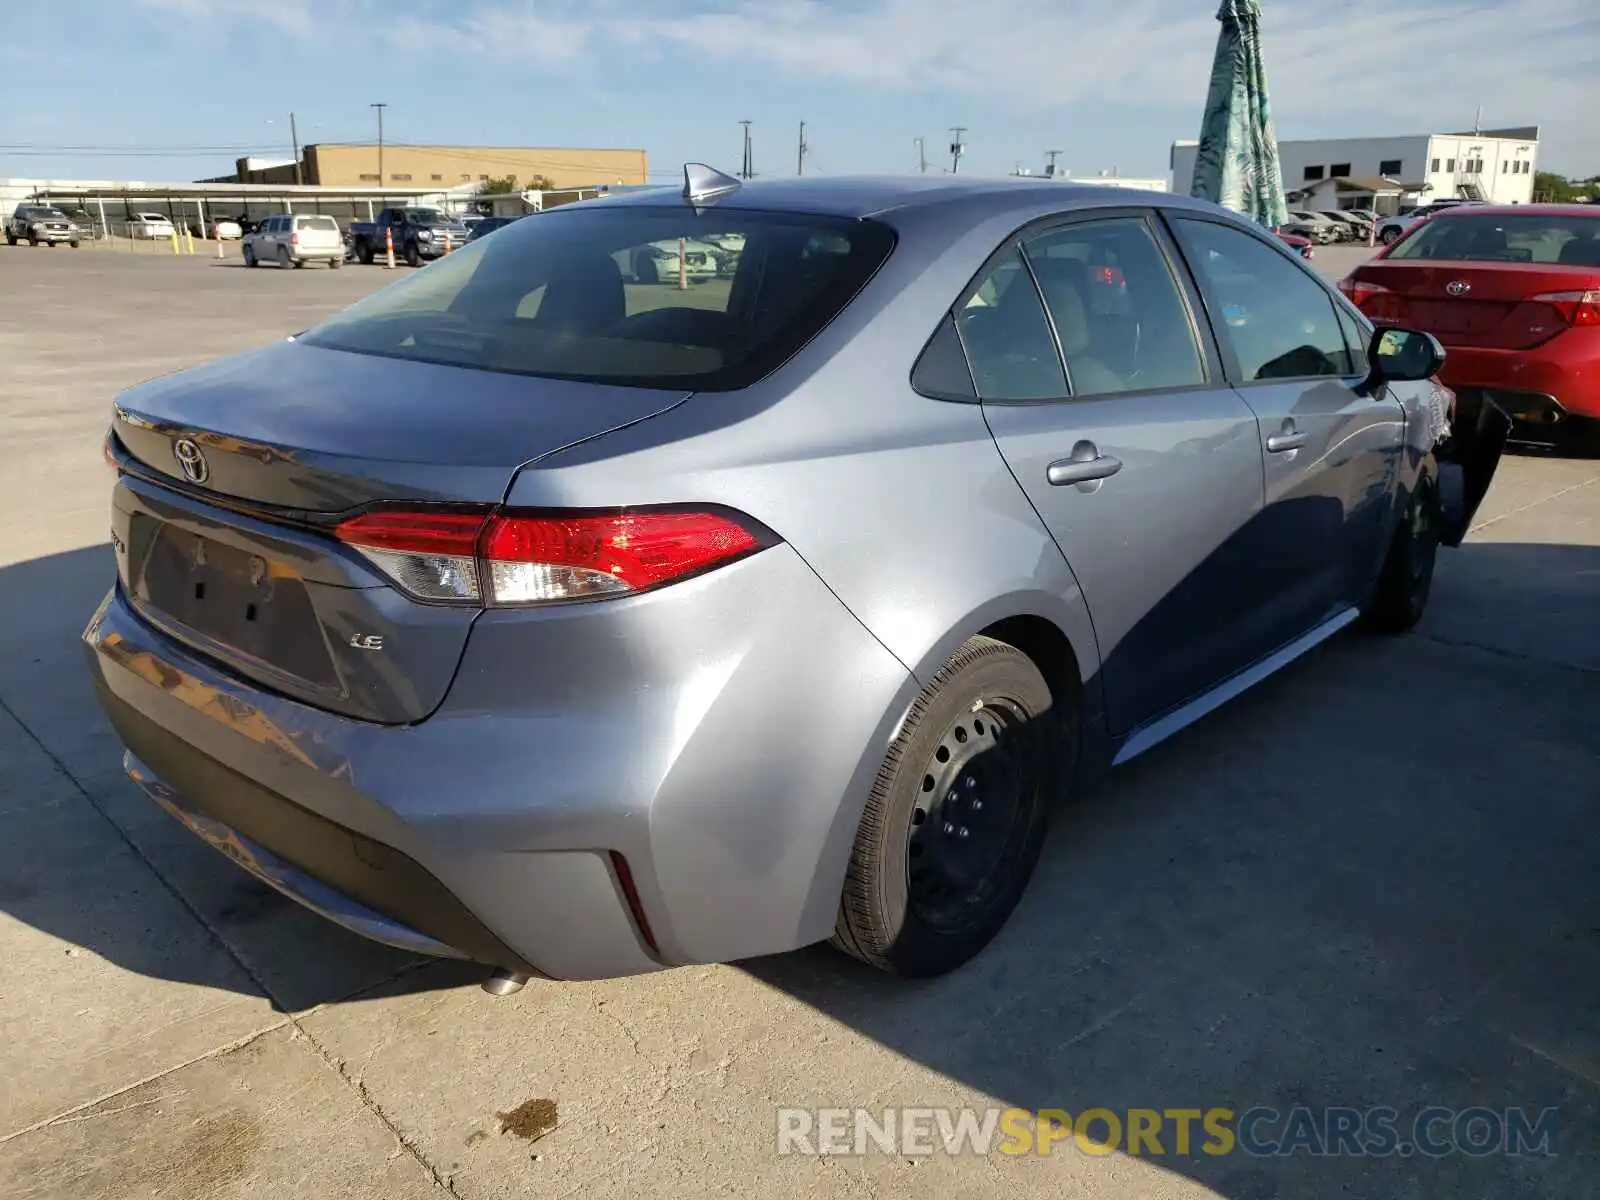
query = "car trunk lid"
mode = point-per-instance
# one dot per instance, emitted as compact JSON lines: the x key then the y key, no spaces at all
{"x":234,"y":475}
{"x":1503,"y":306}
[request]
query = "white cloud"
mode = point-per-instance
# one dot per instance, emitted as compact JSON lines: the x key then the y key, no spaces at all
{"x":1359,"y":68}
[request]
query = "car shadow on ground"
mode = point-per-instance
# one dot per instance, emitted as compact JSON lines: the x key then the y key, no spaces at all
{"x":1373,"y":881}
{"x":79,"y":842}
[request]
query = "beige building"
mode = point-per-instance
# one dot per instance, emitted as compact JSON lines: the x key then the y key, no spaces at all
{"x":334,"y":165}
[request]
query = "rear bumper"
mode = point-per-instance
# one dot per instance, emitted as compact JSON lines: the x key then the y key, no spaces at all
{"x":720,"y":735}
{"x":1556,"y":380}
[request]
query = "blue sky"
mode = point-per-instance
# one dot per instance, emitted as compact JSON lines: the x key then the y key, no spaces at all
{"x":1110,"y":83}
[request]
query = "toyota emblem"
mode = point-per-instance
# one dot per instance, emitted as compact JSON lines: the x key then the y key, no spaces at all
{"x":1458,"y":287}
{"x":190,"y":460}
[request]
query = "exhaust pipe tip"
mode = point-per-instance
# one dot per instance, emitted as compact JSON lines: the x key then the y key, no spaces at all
{"x":504,"y":983}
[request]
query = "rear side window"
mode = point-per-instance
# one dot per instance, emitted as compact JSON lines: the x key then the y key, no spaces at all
{"x":325,"y":224}
{"x":1117,"y":311}
{"x":637,"y":296}
{"x":1570,"y":241}
{"x":1007,"y":336}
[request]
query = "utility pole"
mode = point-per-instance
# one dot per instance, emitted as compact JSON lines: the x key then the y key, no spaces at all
{"x":922,"y":157}
{"x":957,"y":147}
{"x":1050,"y":170}
{"x":747,"y":170}
{"x":800,"y":159}
{"x":380,"y":108}
{"x":294,"y":136}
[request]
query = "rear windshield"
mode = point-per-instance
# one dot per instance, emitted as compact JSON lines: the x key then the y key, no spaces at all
{"x":1551,"y":238}
{"x":325,"y":223}
{"x":646,"y":297}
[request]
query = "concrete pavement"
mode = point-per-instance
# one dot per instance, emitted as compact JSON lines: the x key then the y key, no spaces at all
{"x":1372,"y":881}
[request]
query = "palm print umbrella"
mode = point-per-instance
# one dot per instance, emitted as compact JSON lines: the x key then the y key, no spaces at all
{"x":1236,"y":165}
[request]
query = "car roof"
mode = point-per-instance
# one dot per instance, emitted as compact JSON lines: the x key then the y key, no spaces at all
{"x":874,"y":195}
{"x":1522,"y":210}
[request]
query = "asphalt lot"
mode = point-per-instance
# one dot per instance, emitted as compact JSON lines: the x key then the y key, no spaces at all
{"x":1375,"y":880}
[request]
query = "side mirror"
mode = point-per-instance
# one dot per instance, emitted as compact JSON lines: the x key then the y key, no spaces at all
{"x":1401,"y":355}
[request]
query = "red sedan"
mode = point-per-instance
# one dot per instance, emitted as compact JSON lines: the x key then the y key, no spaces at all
{"x":1514,"y":293}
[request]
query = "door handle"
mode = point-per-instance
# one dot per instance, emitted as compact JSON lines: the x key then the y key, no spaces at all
{"x":1279,"y":442}
{"x":1082,"y":470}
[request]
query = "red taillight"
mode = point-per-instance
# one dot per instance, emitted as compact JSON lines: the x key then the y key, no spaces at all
{"x":1108,"y":275}
{"x":1576,"y":308}
{"x":294,"y":239}
{"x":512,"y":558}
{"x":109,"y":454}
{"x":1377,"y":301}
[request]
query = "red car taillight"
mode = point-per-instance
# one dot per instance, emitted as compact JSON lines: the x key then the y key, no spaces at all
{"x":1576,"y":308}
{"x":294,"y":239}
{"x":1377,"y":301}
{"x":522,"y":558}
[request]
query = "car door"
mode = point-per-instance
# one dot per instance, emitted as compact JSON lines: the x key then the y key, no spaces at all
{"x":1331,"y":444}
{"x":1111,"y":409}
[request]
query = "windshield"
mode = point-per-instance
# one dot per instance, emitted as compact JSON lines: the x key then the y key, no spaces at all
{"x":39,"y":212}
{"x":606,"y":295}
{"x":427,"y":216}
{"x":1535,"y":238}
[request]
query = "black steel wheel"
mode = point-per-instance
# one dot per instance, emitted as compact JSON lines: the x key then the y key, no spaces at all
{"x":957,"y":814}
{"x":1406,"y":580}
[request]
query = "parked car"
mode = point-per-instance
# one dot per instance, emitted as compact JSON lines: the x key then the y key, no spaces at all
{"x":293,"y":240}
{"x":40,"y":225}
{"x":1298,"y":243}
{"x":659,"y":261}
{"x":1390,"y":229}
{"x":150,"y":225}
{"x":1319,"y":227}
{"x":419,"y":234}
{"x":88,"y":227}
{"x":224,"y":230}
{"x":484,"y":226}
{"x":1354,"y":228}
{"x":1514,"y":293}
{"x":504,"y":617}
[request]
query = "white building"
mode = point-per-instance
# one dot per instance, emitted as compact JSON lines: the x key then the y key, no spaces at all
{"x":1496,"y":165}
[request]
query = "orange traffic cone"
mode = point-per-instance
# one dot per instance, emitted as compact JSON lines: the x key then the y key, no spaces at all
{"x":388,"y":249}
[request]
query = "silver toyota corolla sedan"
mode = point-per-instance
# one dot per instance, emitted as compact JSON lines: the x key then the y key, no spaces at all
{"x":580,"y":624}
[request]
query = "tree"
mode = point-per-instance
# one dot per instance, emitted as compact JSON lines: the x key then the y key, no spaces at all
{"x":1550,"y":188}
{"x":504,"y":185}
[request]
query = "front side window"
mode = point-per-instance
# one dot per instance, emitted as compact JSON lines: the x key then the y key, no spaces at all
{"x":631,"y":295}
{"x":1280,"y":323}
{"x":1118,"y":314}
{"x":1007,"y":336}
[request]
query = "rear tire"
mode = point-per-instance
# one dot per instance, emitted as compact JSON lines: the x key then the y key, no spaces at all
{"x":957,"y":814}
{"x":336,"y":263}
{"x":284,"y":261}
{"x":249,"y":256}
{"x":364,"y":253}
{"x":1401,"y":596}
